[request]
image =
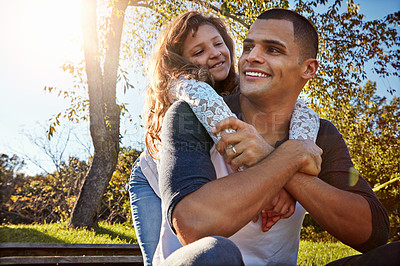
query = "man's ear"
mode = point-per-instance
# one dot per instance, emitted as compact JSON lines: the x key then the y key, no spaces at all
{"x":310,"y":67}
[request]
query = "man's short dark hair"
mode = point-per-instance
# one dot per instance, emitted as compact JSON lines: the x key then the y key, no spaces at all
{"x":305,"y":35}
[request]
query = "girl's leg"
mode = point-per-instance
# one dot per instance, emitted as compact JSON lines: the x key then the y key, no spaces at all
{"x":146,"y":213}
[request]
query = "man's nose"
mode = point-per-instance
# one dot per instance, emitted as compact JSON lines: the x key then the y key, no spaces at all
{"x":255,"y":55}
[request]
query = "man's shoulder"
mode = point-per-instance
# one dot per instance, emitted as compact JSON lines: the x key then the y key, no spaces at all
{"x":233,"y":103}
{"x":327,"y":128}
{"x":328,"y":135}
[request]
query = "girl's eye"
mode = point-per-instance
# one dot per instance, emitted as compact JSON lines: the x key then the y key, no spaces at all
{"x":198,"y":52}
{"x":218,"y":43}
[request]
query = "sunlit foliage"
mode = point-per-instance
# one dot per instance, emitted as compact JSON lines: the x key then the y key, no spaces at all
{"x":41,"y":198}
{"x":50,"y":198}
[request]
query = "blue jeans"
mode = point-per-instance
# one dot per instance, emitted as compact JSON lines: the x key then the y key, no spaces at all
{"x":146,"y":213}
{"x":211,"y":250}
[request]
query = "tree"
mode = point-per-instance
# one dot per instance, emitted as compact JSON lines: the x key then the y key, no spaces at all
{"x":115,"y":207}
{"x":371,"y":128}
{"x":348,"y":43}
{"x":104,"y":113}
{"x":55,"y":150}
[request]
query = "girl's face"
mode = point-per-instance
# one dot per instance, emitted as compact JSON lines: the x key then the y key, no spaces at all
{"x":207,"y":48}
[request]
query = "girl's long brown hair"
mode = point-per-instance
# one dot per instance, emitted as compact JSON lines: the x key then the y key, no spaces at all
{"x":167,"y":64}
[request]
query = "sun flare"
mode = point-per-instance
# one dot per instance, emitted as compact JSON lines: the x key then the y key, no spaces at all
{"x":43,"y":33}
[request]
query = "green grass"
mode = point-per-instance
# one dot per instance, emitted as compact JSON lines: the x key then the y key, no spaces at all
{"x":60,"y":233}
{"x":310,"y":253}
{"x":321,"y":253}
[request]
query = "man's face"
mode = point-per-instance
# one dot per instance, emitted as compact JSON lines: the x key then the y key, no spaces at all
{"x":269,"y":65}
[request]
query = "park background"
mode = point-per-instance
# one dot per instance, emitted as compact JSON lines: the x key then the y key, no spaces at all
{"x":41,"y":47}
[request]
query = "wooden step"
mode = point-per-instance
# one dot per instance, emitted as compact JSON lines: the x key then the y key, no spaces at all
{"x":69,"y":254}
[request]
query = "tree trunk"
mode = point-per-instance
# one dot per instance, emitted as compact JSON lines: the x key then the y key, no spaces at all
{"x":104,"y":113}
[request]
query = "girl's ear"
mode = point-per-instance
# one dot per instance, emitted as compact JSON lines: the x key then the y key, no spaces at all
{"x":310,"y":67}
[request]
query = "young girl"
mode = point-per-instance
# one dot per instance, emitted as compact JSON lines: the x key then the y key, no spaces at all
{"x":193,"y":61}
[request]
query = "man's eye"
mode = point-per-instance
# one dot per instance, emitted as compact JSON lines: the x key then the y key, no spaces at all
{"x":273,"y":50}
{"x":247,"y":48}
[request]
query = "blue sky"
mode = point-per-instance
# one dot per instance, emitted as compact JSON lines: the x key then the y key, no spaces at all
{"x":36,"y":38}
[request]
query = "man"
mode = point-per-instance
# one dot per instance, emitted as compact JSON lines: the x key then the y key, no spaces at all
{"x":279,"y":57}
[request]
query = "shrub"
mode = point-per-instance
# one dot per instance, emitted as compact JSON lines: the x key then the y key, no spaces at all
{"x":50,"y":198}
{"x":42,"y":199}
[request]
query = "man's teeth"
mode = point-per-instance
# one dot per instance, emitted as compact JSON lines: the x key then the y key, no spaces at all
{"x":256,"y":74}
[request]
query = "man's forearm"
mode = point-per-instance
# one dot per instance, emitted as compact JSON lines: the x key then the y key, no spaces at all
{"x":224,"y":206}
{"x":345,"y":215}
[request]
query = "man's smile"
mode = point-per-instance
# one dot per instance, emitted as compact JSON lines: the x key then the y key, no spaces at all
{"x":256,"y":74}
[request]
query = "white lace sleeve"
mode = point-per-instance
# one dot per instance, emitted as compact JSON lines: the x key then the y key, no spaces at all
{"x":304,"y":123}
{"x":210,"y":108}
{"x":207,"y":105}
